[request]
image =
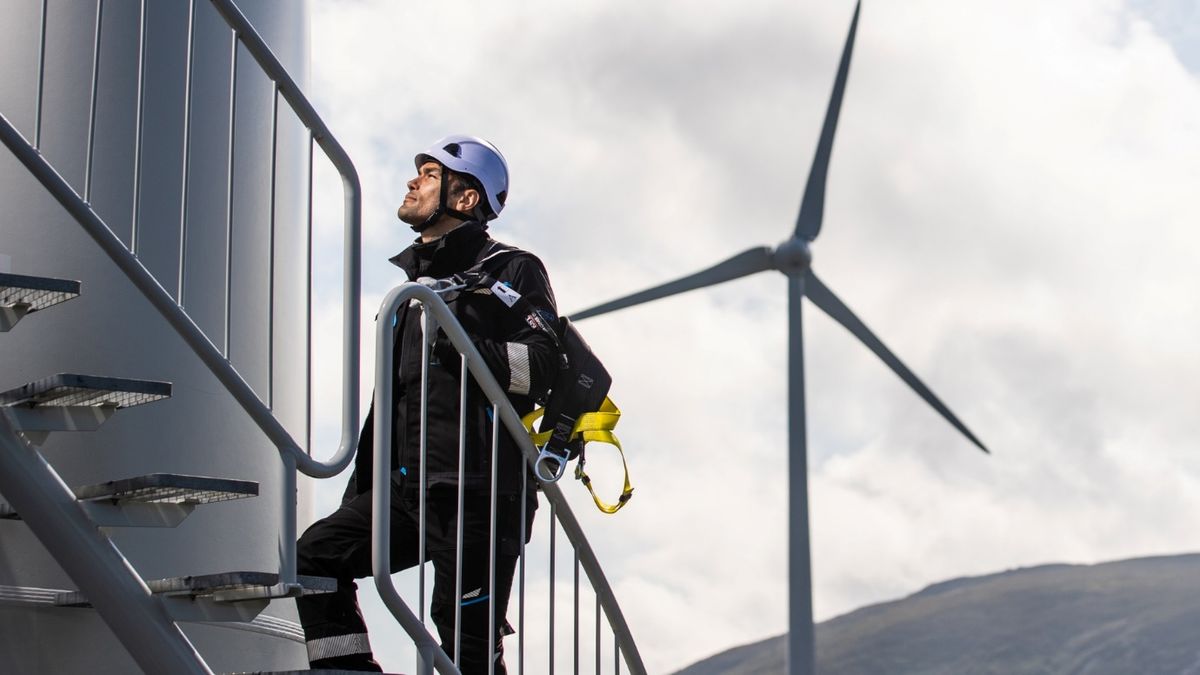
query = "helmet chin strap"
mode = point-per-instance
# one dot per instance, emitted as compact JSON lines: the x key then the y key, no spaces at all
{"x":442,"y":207}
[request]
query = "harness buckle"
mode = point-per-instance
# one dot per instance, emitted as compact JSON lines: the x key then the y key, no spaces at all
{"x":557,"y":468}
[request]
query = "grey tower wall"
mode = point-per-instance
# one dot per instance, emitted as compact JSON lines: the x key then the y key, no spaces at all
{"x":112,"y":330}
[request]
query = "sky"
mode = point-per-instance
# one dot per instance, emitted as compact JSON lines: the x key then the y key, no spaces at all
{"x":1010,"y":208}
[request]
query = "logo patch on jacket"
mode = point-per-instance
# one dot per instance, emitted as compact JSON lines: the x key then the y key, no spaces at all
{"x":507,"y":295}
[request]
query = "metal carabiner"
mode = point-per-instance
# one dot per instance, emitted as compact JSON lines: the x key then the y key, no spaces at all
{"x":560,"y":464}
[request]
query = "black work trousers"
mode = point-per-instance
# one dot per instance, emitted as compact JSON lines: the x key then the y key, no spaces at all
{"x":339,"y":546}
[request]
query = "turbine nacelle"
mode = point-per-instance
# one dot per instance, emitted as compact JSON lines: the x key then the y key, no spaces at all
{"x":793,"y":257}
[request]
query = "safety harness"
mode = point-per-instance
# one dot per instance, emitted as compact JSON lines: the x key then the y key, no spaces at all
{"x":577,"y":410}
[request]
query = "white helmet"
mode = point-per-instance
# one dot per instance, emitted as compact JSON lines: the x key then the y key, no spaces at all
{"x":477,"y":158}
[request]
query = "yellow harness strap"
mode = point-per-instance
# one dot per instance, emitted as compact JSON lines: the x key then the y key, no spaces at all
{"x":593,"y":426}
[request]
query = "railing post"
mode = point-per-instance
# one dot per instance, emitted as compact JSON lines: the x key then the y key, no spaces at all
{"x":287,"y":528}
{"x":41,"y":87}
{"x":231,"y":165}
{"x":464,"y":373}
{"x":187,"y":148}
{"x":492,"y":543}
{"x":137,"y":125}
{"x":91,"y":137}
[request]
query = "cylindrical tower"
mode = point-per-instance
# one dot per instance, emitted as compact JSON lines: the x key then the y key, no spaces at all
{"x":235,"y":257}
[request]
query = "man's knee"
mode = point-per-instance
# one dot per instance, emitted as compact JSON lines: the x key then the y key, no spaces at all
{"x":312,"y":557}
{"x":336,"y":546}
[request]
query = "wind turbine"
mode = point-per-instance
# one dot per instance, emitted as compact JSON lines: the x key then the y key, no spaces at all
{"x":793,"y":258}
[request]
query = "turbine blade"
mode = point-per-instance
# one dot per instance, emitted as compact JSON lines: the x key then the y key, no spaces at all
{"x":812,"y":209}
{"x":824,"y":298}
{"x":740,"y":265}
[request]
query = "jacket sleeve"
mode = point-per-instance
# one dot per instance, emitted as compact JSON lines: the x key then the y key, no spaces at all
{"x":521,"y":353}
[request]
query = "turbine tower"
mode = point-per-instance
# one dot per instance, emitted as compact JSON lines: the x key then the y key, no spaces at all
{"x":793,"y":258}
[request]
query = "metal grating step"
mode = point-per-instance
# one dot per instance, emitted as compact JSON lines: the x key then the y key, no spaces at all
{"x":155,"y":500}
{"x":169,"y":488}
{"x":68,"y":390}
{"x":213,"y":584}
{"x":35,"y":293}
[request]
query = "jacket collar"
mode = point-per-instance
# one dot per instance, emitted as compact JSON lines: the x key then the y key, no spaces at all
{"x":456,"y":251}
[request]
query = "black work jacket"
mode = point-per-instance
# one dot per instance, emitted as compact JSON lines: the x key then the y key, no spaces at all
{"x":523,"y":359}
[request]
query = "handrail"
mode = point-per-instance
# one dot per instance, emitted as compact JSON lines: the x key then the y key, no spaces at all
{"x":352,"y":272}
{"x":291,"y":453}
{"x":116,"y":250}
{"x":430,"y":655}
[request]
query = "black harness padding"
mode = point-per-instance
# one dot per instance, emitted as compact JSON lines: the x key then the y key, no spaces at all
{"x":579,"y":387}
{"x":581,"y":383}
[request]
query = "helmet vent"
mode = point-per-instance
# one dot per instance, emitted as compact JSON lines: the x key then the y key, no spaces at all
{"x":502,"y":197}
{"x":454,"y":149}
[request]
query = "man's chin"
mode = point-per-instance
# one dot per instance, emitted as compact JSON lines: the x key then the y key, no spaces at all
{"x":407,"y":216}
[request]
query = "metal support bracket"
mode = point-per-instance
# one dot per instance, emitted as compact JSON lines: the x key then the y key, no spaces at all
{"x":193,"y":609}
{"x":108,"y":514}
{"x":53,"y":418}
{"x":241,"y":595}
{"x":10,"y":315}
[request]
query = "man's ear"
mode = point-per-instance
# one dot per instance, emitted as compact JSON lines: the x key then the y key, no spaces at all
{"x":467,"y":200}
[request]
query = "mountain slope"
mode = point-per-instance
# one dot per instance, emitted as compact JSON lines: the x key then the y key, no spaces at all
{"x":1133,"y":616}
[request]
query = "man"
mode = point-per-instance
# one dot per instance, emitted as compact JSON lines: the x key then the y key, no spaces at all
{"x":461,"y":184}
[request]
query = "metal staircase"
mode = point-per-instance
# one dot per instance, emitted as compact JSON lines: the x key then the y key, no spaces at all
{"x":71,"y":523}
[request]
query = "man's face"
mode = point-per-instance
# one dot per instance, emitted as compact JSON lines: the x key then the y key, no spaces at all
{"x":424,"y":192}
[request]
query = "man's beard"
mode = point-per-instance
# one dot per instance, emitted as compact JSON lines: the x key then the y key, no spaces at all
{"x":413,"y":219}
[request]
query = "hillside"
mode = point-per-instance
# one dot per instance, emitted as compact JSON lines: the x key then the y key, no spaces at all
{"x":1132,"y":616}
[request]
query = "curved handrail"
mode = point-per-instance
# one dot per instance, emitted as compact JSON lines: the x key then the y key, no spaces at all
{"x":291,"y":453}
{"x":352,"y":272}
{"x":381,"y":512}
{"x":162,"y":300}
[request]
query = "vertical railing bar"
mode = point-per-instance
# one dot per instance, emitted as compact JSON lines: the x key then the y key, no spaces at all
{"x":427,"y":330}
{"x":271,"y":248}
{"x":491,"y":634}
{"x":462,"y":491}
{"x":91,"y":137}
{"x":552,"y":584}
{"x":187,"y":143}
{"x":287,"y":529}
{"x":308,"y":301}
{"x":137,"y":135}
{"x":233,"y":52}
{"x":521,"y":562}
{"x":37,"y":114}
{"x":576,"y":609}
{"x":598,"y":637}
{"x":616,"y":655}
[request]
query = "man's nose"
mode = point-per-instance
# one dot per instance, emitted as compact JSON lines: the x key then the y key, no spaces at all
{"x":412,"y":182}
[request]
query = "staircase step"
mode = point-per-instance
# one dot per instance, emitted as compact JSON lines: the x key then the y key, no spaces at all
{"x":35,"y":293}
{"x":169,"y":488}
{"x":158,"y":489}
{"x":256,"y":585}
{"x":67,"y":390}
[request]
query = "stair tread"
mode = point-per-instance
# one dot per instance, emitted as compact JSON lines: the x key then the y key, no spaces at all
{"x":66,"y":389}
{"x":210,"y":584}
{"x":36,"y":293}
{"x":170,"y":488}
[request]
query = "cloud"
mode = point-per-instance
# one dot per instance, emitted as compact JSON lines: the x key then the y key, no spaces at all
{"x":1010,"y":208}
